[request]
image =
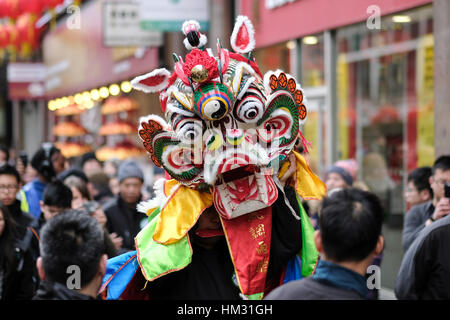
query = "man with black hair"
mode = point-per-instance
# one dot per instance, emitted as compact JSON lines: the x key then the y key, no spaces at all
{"x":72,"y":262}
{"x":425,"y":270}
{"x":9,"y":186}
{"x":418,"y":189}
{"x":57,"y":198}
{"x":424,"y":214}
{"x":48,"y":161}
{"x":348,"y":239}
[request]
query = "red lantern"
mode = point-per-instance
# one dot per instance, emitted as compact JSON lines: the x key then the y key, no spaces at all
{"x":52,"y":4}
{"x":2,"y":9}
{"x":35,"y":7}
{"x":4,"y":37}
{"x":12,"y":9}
{"x":27,"y":33}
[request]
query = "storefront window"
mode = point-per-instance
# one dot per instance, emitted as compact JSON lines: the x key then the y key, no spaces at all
{"x":273,"y":57}
{"x":312,"y":61}
{"x":385,"y":101}
{"x":312,"y":81}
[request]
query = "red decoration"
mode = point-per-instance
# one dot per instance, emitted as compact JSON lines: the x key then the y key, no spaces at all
{"x":35,"y":7}
{"x":52,"y":4}
{"x":4,"y":36}
{"x":196,"y":57}
{"x":11,"y":8}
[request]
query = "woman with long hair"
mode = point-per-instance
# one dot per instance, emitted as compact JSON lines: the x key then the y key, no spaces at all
{"x":16,"y":264}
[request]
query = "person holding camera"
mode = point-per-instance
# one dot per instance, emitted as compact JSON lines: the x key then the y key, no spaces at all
{"x":48,"y":161}
{"x":425,"y":269}
{"x":424,"y":214}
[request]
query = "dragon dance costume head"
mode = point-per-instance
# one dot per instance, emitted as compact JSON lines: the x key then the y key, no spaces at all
{"x":227,"y":132}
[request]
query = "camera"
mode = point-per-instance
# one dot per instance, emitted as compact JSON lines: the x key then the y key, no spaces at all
{"x":90,"y":207}
{"x":447,"y":190}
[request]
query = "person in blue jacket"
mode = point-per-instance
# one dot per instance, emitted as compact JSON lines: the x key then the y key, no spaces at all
{"x":48,"y":161}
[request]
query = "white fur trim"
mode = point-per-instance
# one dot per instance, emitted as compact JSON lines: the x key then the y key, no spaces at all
{"x":243,"y":20}
{"x":189,"y":22}
{"x":136,"y":84}
{"x":157,"y":201}
{"x":203,"y":41}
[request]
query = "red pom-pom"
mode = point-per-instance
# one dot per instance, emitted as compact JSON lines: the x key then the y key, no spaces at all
{"x":196,"y":57}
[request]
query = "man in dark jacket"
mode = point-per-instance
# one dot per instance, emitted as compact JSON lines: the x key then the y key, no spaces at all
{"x":72,"y":262}
{"x":123,"y":218}
{"x":424,"y":214}
{"x":425,"y":270}
{"x":348,"y":239}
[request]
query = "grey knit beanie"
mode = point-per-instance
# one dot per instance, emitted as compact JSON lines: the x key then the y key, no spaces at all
{"x":129,"y":169}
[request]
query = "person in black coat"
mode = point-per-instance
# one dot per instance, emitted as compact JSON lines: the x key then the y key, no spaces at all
{"x":124,"y":221}
{"x":16,"y":263}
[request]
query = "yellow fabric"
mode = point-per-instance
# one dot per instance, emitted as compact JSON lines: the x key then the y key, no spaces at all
{"x":180,"y":213}
{"x":306,"y":183}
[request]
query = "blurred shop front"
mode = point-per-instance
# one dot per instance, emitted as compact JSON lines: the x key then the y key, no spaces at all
{"x":367,"y":72}
{"x":91,"y":103}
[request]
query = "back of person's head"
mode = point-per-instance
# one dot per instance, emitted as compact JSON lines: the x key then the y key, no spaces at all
{"x":57,"y":194}
{"x":420,"y":177}
{"x":72,"y":172}
{"x":350,"y":225}
{"x":42,"y":161}
{"x":442,"y":163}
{"x":100,"y":181}
{"x":79,"y":184}
{"x":72,"y":238}
{"x":11,"y":171}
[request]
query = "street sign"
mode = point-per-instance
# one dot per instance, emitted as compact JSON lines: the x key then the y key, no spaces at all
{"x":121,"y":26}
{"x":169,"y":15}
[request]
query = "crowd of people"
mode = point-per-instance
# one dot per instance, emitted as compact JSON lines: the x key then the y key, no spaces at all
{"x":54,"y":215}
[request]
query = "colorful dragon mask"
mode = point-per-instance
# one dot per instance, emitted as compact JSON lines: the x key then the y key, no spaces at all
{"x":227,"y":126}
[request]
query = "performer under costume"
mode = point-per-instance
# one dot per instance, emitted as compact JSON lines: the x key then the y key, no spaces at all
{"x":229,"y":223}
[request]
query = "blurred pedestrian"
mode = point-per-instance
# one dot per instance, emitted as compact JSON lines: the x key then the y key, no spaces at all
{"x":98,"y":187}
{"x":16,"y":264}
{"x":4,"y":155}
{"x":56,"y":199}
{"x":81,"y":200}
{"x":26,"y":225}
{"x":110,"y":167}
{"x":424,"y":214}
{"x":123,"y":217}
{"x":72,"y":241}
{"x":48,"y":161}
{"x":348,"y":239}
{"x":425,"y":270}
{"x":90,"y":164}
{"x":418,"y":188}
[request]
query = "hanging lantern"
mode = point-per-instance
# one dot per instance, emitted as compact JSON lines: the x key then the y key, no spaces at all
{"x":11,"y":8}
{"x":52,"y":4}
{"x":4,"y":37}
{"x":35,"y":7}
{"x":28,"y":34}
{"x":2,"y":9}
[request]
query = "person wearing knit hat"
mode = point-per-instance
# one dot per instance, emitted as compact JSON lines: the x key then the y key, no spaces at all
{"x":124,"y":221}
{"x":338,"y":178}
{"x":129,"y":169}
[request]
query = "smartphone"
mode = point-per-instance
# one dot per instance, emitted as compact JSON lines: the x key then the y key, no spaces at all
{"x":447,"y":190}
